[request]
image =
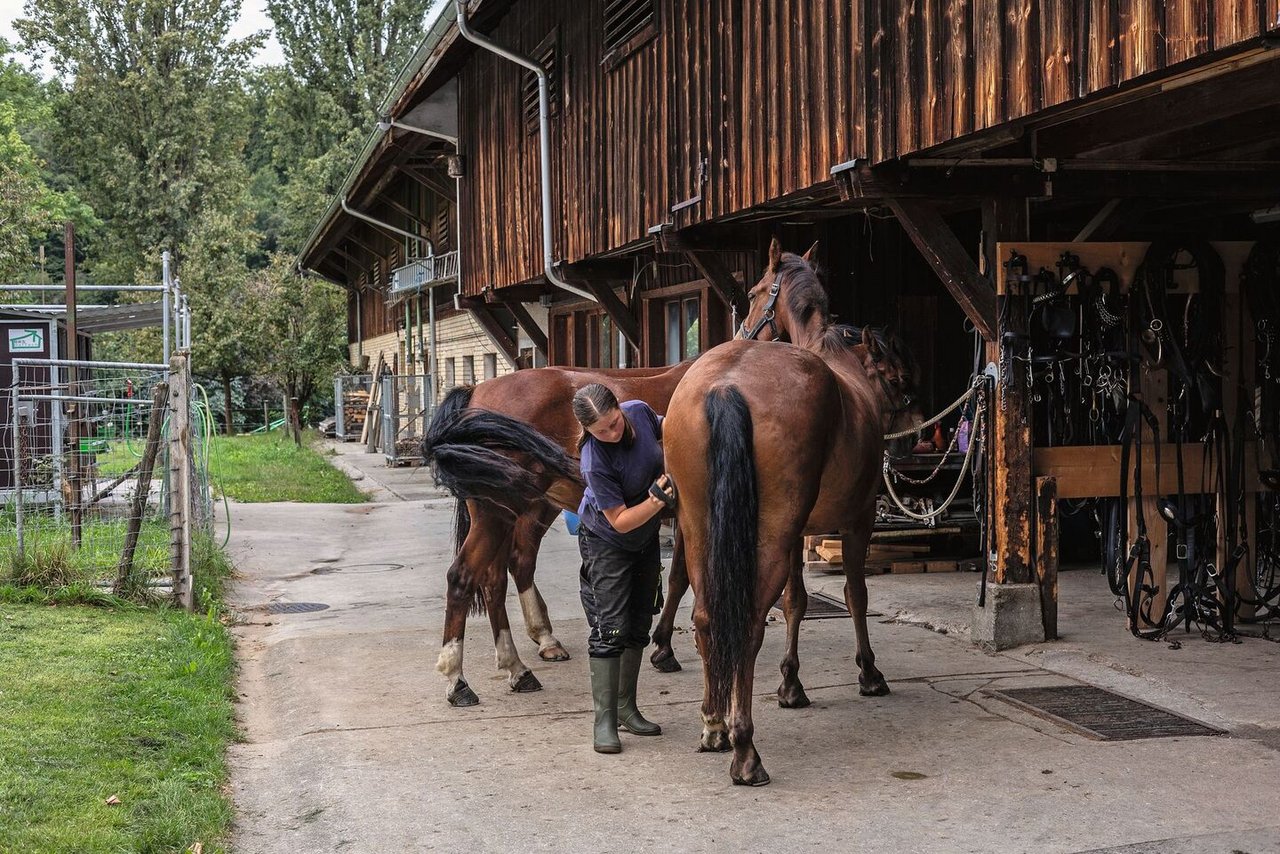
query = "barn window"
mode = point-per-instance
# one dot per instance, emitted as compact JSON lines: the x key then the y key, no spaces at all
{"x":490,"y":365}
{"x":547,"y":54}
{"x":627,"y":25}
{"x":468,"y":370}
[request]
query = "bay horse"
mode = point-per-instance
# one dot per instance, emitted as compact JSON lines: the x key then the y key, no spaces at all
{"x":767,"y":442}
{"x":503,"y":515}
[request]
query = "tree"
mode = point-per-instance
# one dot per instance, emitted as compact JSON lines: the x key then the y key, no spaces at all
{"x":303,"y":336}
{"x":31,"y":207}
{"x":342,"y":57}
{"x":155,"y":119}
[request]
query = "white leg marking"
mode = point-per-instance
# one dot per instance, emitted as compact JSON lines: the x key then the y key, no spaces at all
{"x":450,"y":661}
{"x":507,"y":657}
{"x":536,"y":621}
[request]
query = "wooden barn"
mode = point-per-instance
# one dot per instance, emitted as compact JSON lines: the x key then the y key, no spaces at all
{"x":962,"y":164}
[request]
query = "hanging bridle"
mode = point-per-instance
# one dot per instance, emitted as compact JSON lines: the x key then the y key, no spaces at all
{"x":768,"y":317}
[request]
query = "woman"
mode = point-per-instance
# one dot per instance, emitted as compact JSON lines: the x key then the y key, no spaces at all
{"x":621,"y":454}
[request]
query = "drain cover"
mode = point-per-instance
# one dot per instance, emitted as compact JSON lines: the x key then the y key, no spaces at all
{"x":1101,"y":714}
{"x":295,"y":607}
{"x":822,"y":607}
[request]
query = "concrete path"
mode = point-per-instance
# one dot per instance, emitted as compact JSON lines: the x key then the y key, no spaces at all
{"x":349,"y":745}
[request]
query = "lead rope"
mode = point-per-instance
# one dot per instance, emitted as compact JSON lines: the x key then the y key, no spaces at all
{"x":975,"y":435}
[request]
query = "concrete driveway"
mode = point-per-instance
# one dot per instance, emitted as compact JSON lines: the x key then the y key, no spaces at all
{"x":349,"y":745}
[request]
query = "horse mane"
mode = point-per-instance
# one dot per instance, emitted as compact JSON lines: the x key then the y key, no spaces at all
{"x":805,"y":294}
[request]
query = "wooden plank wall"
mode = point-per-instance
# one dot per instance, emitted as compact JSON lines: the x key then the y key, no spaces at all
{"x":745,"y":103}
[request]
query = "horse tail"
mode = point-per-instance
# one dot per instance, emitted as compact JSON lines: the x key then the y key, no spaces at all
{"x":731,"y":552}
{"x":470,"y":450}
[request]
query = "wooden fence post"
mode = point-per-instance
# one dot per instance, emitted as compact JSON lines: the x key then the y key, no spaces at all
{"x":180,"y":479}
{"x":138,"y":508}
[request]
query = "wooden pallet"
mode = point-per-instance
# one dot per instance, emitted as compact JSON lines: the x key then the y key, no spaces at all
{"x":824,"y":553}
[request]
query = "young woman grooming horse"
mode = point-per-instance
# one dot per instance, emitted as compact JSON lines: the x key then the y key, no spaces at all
{"x":621,"y":463}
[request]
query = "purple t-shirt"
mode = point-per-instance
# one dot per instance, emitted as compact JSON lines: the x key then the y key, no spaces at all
{"x":618,"y":474}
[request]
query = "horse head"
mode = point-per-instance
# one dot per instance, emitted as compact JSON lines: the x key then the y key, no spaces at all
{"x":894,"y":373}
{"x":788,"y":303}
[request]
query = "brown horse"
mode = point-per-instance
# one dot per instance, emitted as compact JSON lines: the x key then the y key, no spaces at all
{"x":767,"y":442}
{"x":477,"y":434}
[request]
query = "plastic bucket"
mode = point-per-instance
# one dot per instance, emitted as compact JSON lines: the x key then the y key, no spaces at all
{"x":571,"y":521}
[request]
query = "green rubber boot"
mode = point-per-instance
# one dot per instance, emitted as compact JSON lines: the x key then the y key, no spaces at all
{"x":629,"y":717}
{"x":604,"y":695}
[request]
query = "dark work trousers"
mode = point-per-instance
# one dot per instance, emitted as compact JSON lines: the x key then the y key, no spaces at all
{"x":619,"y":589}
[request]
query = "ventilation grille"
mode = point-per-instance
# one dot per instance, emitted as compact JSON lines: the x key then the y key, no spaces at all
{"x":623,"y":20}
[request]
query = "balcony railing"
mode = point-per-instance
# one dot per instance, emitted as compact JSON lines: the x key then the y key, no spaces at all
{"x":424,"y":273}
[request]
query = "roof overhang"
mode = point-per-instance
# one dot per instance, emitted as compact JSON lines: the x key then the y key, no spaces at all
{"x":424,"y":95}
{"x":101,"y":318}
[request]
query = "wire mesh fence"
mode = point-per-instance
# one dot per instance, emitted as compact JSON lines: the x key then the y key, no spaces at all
{"x":406,"y":411}
{"x":90,"y":458}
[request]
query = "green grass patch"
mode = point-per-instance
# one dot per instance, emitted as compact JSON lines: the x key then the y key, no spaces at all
{"x":49,"y":561}
{"x":270,"y":467}
{"x":124,"y":702}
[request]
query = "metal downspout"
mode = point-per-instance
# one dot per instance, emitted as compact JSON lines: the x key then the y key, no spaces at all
{"x":544,"y":139}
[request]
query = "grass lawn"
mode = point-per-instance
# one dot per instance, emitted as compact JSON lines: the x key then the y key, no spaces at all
{"x":101,"y":703}
{"x":269,"y":467}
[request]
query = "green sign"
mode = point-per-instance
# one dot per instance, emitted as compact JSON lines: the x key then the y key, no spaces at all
{"x":26,"y":340}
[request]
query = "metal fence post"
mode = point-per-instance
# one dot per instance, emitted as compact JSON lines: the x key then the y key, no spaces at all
{"x":17,"y":464}
{"x":180,"y":505}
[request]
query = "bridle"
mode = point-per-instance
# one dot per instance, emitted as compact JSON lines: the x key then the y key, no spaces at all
{"x":767,"y":317}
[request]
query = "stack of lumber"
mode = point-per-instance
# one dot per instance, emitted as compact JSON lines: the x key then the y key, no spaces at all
{"x":824,"y":553}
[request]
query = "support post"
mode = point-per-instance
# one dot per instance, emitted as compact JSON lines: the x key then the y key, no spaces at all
{"x":1047,"y":553}
{"x":17,"y":463}
{"x":180,"y":503}
{"x":73,"y":378}
{"x":141,"y":492}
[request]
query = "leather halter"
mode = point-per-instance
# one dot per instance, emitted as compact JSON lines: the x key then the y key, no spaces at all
{"x":768,"y":317}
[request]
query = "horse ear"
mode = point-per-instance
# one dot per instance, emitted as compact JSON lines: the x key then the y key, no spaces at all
{"x":869,"y":341}
{"x":812,"y":254}
{"x":775,"y":253}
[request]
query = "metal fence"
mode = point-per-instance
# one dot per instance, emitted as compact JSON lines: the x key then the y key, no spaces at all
{"x":350,"y":404}
{"x":104,"y":473}
{"x":406,"y":410}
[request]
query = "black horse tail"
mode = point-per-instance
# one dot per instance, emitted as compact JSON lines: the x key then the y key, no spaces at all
{"x":731,"y":552}
{"x":456,"y":400}
{"x":470,"y":454}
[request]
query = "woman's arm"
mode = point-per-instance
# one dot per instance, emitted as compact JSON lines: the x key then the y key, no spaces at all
{"x":624,"y":519}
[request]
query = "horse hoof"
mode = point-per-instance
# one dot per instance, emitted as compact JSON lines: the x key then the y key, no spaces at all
{"x":875,"y":688}
{"x":461,"y":695}
{"x":555,"y":652}
{"x":715,"y":742}
{"x":526,"y":684}
{"x":795,"y":699}
{"x":665,"y":663}
{"x":757,"y":778}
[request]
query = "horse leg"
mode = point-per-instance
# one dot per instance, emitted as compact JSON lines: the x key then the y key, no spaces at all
{"x":871,"y":682}
{"x":795,"y":601}
{"x":715,"y":735}
{"x":663,"y":657}
{"x":746,"y":768}
{"x":520,"y":677}
{"x":530,"y":529}
{"x":477,"y":554}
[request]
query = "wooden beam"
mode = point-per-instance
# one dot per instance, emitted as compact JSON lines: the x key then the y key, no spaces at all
{"x":1093,"y":471}
{"x":958,"y":272}
{"x":616,"y":309}
{"x":726,"y":285}
{"x":497,"y":332}
{"x":1047,"y":553}
{"x":1010,"y":459}
{"x":430,"y":182}
{"x":1100,"y":221}
{"x":598,"y":278}
{"x":527,"y":323}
